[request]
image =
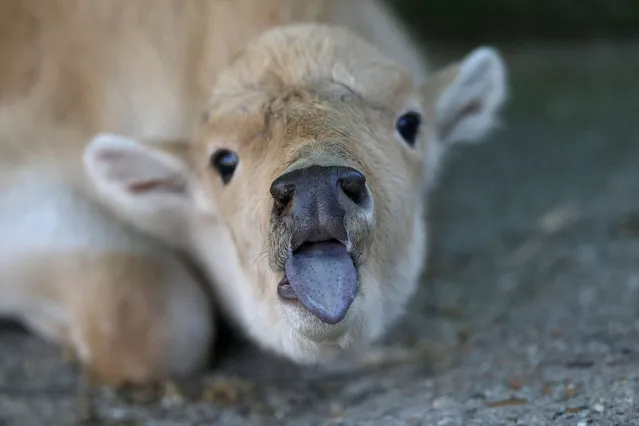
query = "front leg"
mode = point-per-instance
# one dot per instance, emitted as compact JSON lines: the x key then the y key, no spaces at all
{"x":129,"y":317}
{"x":138,"y":318}
{"x":129,"y":308}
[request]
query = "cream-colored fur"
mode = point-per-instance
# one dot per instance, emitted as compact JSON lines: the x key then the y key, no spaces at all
{"x":145,"y":69}
{"x":130,"y":309}
{"x":297,"y":96}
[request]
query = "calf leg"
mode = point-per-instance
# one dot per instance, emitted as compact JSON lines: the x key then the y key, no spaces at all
{"x":130,"y":309}
{"x":132,"y":318}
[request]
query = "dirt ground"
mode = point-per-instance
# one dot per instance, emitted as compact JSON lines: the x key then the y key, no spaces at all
{"x":528,"y":314}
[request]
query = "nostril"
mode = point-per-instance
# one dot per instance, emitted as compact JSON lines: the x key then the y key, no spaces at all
{"x":353,"y":183}
{"x":282,"y":192}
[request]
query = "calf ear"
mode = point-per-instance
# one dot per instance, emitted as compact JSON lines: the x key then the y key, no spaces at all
{"x":464,"y":99}
{"x":144,"y":184}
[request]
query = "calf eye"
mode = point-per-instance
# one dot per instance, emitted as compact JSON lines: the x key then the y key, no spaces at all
{"x":225,"y":162}
{"x":408,"y":126}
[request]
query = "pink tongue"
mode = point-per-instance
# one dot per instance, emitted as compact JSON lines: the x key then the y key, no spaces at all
{"x":324,"y":279}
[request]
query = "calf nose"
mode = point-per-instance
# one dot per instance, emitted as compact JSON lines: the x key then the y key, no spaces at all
{"x":317,"y":198}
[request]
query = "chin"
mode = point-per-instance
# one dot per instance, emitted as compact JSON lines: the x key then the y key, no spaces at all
{"x":312,"y":341}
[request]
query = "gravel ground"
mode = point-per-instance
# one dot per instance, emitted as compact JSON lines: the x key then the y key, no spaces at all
{"x":528,"y":314}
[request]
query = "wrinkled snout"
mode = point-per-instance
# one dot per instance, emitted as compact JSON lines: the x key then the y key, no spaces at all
{"x":319,"y":203}
{"x":317,"y":198}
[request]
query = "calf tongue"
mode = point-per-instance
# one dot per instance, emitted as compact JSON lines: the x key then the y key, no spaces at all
{"x":324,"y":279}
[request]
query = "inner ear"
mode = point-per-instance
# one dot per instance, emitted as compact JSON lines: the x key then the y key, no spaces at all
{"x":157,"y":185}
{"x":448,"y":126}
{"x":140,"y":170}
{"x":144,"y":182}
{"x":473,"y":107}
{"x":465,"y":98}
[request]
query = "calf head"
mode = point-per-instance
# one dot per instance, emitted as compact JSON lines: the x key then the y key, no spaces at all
{"x":303,"y":191}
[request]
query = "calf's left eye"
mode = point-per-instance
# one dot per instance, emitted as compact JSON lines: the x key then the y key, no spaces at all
{"x":407,"y":126}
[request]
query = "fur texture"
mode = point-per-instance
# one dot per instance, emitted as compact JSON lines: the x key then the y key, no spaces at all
{"x":297,"y":96}
{"x":104,"y":167}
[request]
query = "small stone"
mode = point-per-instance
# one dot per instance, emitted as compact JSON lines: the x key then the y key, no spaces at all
{"x":442,"y":402}
{"x":516,"y":383}
{"x":172,"y":395}
{"x":117,"y":414}
{"x":570,"y":391}
{"x":582,"y":423}
{"x":599,"y":408}
{"x":225,"y":391}
{"x":337,"y":410}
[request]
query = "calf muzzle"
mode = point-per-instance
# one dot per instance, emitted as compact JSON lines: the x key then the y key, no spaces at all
{"x":320,"y":272}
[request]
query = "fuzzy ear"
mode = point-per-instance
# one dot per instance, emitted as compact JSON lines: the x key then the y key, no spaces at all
{"x":465,"y":98}
{"x":144,"y":185}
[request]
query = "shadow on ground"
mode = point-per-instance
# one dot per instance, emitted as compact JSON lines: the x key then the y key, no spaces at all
{"x":528,"y":314}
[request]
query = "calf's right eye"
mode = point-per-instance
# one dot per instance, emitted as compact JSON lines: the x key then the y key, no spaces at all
{"x":225,"y":162}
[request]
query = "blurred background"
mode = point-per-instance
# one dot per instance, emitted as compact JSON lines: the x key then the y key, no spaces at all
{"x":529,"y":309}
{"x":521,"y":20}
{"x":569,"y":132}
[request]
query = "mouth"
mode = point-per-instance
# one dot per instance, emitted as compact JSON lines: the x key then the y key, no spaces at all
{"x":322,"y":277}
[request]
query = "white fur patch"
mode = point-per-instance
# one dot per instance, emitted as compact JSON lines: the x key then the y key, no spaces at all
{"x":39,"y":215}
{"x":189,"y":321}
{"x":37,"y":212}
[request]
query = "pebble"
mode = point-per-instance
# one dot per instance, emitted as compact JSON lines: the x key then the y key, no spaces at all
{"x":598,"y":408}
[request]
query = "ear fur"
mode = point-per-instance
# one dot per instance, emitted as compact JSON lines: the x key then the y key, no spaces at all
{"x":464,"y":99}
{"x":145,"y":185}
